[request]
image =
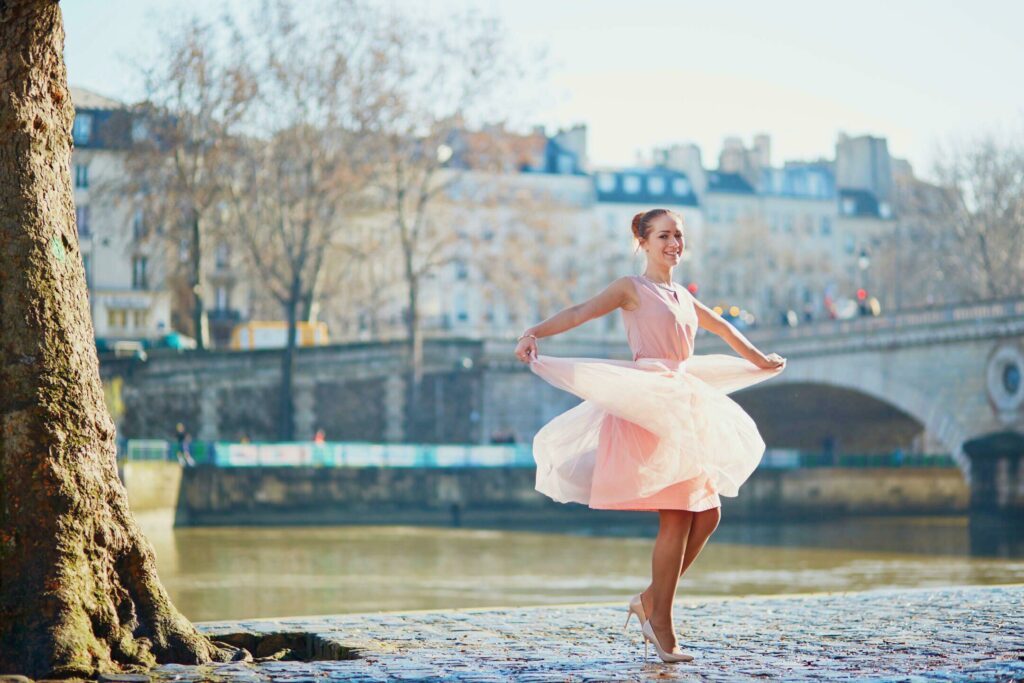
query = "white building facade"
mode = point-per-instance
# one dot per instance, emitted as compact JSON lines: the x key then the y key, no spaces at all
{"x":126,"y":293}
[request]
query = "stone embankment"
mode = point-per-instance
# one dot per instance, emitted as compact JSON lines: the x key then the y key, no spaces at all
{"x":935,"y":634}
{"x":482,"y":496}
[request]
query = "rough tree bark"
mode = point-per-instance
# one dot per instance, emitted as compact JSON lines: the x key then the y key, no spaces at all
{"x":78,"y":586}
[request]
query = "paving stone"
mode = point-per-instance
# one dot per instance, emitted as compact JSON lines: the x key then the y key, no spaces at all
{"x":969,"y":633}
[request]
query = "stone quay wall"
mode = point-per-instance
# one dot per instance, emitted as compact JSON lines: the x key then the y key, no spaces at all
{"x":500,"y":495}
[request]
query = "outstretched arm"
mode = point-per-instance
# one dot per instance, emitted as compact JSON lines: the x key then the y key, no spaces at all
{"x":716,"y":324}
{"x":619,"y":294}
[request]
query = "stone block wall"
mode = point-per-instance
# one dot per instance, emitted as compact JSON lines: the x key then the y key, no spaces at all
{"x":268,"y":495}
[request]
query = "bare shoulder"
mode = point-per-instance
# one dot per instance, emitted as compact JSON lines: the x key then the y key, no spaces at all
{"x":625,"y":287}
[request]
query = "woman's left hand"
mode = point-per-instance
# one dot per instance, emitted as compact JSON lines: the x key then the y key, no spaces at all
{"x":772,"y":361}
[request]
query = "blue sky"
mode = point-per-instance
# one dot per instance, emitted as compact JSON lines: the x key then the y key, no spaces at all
{"x":646,"y":72}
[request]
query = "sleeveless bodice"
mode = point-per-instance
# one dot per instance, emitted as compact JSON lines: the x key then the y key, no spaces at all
{"x":663,"y":325}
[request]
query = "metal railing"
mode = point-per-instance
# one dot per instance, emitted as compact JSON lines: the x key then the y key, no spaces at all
{"x":335,"y":454}
{"x":775,"y":458}
{"x":359,"y":454}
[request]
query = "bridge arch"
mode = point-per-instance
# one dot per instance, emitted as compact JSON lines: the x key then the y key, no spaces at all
{"x":906,"y":401}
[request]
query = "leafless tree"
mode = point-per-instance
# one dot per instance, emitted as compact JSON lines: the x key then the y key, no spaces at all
{"x":79,"y":593}
{"x":301,"y":174}
{"x":433,"y":81}
{"x":185,"y":136}
{"x":960,"y":239}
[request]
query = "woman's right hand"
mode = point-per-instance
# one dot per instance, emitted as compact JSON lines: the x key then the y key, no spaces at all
{"x":772,"y":361}
{"x":526,"y":349}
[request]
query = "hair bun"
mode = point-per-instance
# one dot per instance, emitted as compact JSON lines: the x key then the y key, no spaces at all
{"x":637,"y":220}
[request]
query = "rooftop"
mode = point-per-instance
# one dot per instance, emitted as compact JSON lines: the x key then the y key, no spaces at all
{"x":657,"y":185}
{"x":88,"y":99}
{"x":732,"y":183}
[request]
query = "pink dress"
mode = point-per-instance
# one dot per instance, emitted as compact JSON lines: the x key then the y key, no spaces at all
{"x":656,"y":433}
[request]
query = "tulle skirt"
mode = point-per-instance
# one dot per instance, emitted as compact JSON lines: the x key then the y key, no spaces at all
{"x":650,"y":434}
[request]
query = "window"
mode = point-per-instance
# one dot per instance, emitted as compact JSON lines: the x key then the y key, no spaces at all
{"x":730,"y":214}
{"x":849,"y":206}
{"x":461,"y":314}
{"x":81,"y":132}
{"x":222,"y":255}
{"x":565,"y":164}
{"x":787,"y":223}
{"x":461,"y":270}
{"x":82,"y":218}
{"x":849,"y":245}
{"x":630,"y":184}
{"x":814,"y":185}
{"x":681,"y":186}
{"x":183,"y":251}
{"x":713,"y":215}
{"x":826,"y":225}
{"x":221,"y":298}
{"x":606,"y":182}
{"x":82,"y":176}
{"x":656,"y":185}
{"x":139,"y":279}
{"x":117,"y":318}
{"x":140,"y":131}
{"x":140,"y":319}
{"x":138,"y":224}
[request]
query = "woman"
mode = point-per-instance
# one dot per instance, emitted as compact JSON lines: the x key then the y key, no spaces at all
{"x":657,"y":433}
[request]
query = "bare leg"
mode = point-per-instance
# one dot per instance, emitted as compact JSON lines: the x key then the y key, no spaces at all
{"x":666,"y":565}
{"x":704,"y":524}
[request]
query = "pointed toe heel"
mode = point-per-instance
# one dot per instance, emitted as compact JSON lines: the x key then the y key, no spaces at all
{"x":668,"y":657}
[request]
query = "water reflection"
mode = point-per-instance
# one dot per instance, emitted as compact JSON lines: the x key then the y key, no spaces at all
{"x":233,"y":573}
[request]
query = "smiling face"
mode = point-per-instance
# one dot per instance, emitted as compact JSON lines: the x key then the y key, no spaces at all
{"x":664,"y":241}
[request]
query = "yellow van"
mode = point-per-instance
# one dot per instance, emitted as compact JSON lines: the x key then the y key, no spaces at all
{"x":272,"y":334}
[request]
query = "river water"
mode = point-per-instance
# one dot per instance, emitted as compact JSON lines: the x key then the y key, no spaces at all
{"x":248,"y":572}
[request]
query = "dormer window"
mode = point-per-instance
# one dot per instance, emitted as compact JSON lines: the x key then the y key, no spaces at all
{"x":884,"y":210}
{"x":81,"y":132}
{"x":681,"y":186}
{"x":631,"y":184}
{"x":656,"y":185}
{"x":849,"y":206}
{"x":605,"y":182}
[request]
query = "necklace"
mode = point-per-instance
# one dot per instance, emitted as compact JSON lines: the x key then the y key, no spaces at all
{"x":664,"y":286}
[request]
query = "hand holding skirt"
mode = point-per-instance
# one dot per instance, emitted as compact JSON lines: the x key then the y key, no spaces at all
{"x":645,"y":426}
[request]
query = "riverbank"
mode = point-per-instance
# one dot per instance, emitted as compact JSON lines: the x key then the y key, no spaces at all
{"x":974,"y":633}
{"x":503,"y":496}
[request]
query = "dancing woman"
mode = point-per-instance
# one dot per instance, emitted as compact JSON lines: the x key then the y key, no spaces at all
{"x":658,"y":433}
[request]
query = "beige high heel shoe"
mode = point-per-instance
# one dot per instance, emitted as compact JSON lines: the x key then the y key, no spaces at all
{"x":636,"y":606}
{"x":669,"y":657}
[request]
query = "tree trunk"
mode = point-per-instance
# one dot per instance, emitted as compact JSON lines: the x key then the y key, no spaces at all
{"x":286,"y":412}
{"x":200,"y":320}
{"x":78,"y":586}
{"x":414,"y":339}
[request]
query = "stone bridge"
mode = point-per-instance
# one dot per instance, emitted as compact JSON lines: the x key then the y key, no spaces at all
{"x":932,"y":379}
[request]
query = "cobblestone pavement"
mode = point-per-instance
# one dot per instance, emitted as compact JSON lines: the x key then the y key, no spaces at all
{"x":970,"y":633}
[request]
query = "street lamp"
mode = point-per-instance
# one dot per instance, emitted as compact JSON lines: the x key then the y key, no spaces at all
{"x":864,"y":262}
